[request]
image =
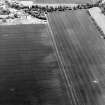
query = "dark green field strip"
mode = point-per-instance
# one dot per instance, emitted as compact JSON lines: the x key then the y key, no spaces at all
{"x":82,"y":54}
{"x":28,"y":67}
{"x":64,"y":1}
{"x":33,"y":28}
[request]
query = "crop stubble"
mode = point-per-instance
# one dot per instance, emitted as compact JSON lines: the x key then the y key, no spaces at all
{"x":82,"y":54}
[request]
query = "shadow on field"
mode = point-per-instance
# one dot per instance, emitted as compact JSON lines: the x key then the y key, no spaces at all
{"x":28,"y":69}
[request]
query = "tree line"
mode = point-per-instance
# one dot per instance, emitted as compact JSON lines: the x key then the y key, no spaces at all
{"x":38,"y":11}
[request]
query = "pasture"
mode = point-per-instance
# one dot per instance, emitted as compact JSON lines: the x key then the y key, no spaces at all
{"x":82,"y":55}
{"x":29,"y":71}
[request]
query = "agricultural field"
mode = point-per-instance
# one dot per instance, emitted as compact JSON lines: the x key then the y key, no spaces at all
{"x":63,"y":1}
{"x":82,"y":55}
{"x":60,"y":61}
{"x":29,"y":71}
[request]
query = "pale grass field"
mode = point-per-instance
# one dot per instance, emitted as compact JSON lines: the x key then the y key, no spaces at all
{"x":24,"y":20}
{"x":98,"y":17}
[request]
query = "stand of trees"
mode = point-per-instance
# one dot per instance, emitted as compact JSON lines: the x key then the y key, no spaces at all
{"x":38,"y":10}
{"x":53,"y":8}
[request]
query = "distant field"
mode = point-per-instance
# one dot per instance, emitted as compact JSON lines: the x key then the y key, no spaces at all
{"x":64,"y":1}
{"x":82,"y":53}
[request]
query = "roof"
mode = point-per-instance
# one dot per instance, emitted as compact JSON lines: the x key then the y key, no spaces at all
{"x":26,"y":3}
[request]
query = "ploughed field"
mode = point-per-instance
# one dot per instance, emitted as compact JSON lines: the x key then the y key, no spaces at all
{"x":82,"y":56}
{"x":63,"y":1}
{"x":29,"y":71}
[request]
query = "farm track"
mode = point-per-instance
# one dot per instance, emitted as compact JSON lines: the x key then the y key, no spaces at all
{"x":29,"y":71}
{"x":82,"y":54}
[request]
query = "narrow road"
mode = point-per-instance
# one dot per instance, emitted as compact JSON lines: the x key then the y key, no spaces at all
{"x":65,"y":1}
